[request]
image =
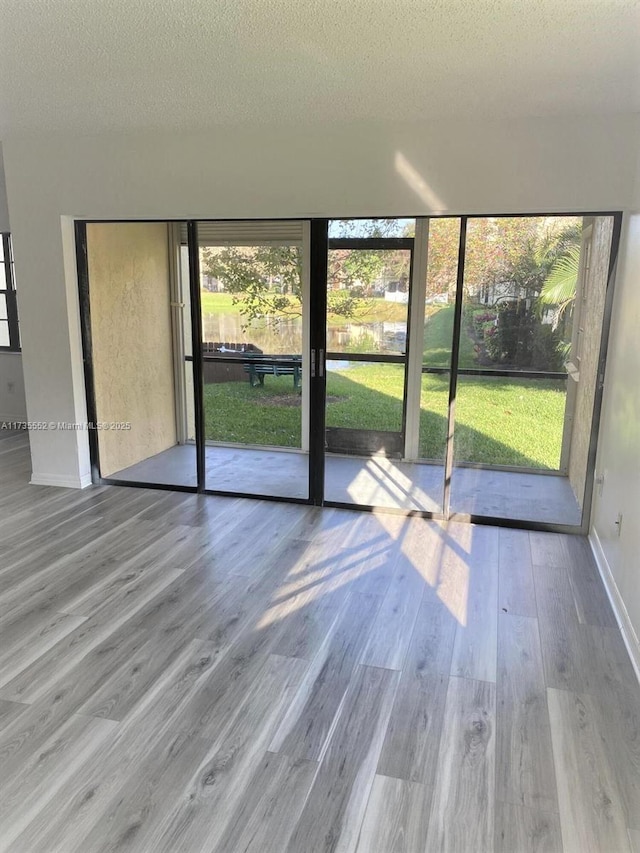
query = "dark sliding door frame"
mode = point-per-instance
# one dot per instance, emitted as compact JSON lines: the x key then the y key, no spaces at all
{"x":316,"y":454}
{"x":406,"y":244}
{"x":453,"y":366}
{"x":196,"y":343}
{"x":319,"y":263}
{"x":319,"y":247}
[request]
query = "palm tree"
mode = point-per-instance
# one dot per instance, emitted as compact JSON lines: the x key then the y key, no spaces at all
{"x":559,"y":288}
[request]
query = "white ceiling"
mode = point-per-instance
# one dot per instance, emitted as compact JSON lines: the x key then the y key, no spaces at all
{"x":93,"y":65}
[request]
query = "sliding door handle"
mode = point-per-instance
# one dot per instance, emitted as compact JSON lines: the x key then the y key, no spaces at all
{"x":321,"y":363}
{"x":313,"y":364}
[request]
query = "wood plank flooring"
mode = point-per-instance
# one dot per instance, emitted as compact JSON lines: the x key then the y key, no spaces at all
{"x":188,"y":674}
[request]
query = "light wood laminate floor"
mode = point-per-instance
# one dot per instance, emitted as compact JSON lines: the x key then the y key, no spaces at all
{"x":184,"y":673}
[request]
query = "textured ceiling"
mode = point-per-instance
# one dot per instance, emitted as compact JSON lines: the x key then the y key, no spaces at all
{"x":93,"y":65}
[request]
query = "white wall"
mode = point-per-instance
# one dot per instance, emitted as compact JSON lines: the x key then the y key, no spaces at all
{"x":619,"y":444}
{"x":541,"y":165}
{"x":13,"y":406}
{"x":12,"y":402}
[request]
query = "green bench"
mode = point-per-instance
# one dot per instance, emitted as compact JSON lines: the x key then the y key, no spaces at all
{"x":285,"y":365}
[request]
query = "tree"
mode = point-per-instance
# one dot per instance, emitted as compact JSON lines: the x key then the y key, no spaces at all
{"x":515,"y":252}
{"x":263,"y":280}
{"x":442,"y":269}
{"x":559,"y":289}
{"x":372,"y":228}
{"x":499,"y":250}
{"x":266,"y":281}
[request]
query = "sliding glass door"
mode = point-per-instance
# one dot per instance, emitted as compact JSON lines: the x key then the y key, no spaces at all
{"x":254,"y":312}
{"x":529,"y":351}
{"x":367,"y":335}
{"x":447,"y":366}
{"x":197,"y":336}
{"x":386,"y":417}
{"x":442,"y":246}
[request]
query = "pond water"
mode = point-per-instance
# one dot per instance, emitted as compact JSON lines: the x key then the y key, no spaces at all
{"x":277,"y":336}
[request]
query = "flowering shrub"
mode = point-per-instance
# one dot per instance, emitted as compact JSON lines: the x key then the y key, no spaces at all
{"x":481,"y":320}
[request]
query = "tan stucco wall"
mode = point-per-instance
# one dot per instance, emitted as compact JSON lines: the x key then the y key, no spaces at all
{"x":591,"y":321}
{"x":131,"y":340}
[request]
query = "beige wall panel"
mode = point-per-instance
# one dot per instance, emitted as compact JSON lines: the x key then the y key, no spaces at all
{"x":591,"y":322}
{"x":131,"y":340}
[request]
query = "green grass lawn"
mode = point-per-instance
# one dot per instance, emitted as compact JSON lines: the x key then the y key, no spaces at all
{"x":499,"y":421}
{"x":373,"y":310}
{"x":438,"y":332}
{"x":218,"y":303}
{"x":504,"y":421}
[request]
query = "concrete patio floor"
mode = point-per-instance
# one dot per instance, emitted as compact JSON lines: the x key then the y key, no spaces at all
{"x":370,"y":481}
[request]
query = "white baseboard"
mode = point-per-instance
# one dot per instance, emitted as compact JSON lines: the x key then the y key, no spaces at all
{"x":619,"y":609}
{"x":61,"y":480}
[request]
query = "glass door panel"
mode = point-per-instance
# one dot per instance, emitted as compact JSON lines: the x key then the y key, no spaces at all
{"x":437,"y":344}
{"x":364,"y":407}
{"x":253,"y":294}
{"x":517,"y":437}
{"x":368,"y":289}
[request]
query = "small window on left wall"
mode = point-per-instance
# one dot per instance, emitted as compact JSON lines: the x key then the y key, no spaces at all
{"x":9,"y":326}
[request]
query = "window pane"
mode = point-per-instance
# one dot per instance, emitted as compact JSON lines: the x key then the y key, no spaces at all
{"x":363,"y":398}
{"x":510,"y":421}
{"x":372,"y":228}
{"x":4,"y":333}
{"x":3,"y":306}
{"x":254,"y":365}
{"x":513,"y":267}
{"x":368,"y":300}
{"x":252,"y":298}
{"x":442,"y":272}
{"x":434,"y":410}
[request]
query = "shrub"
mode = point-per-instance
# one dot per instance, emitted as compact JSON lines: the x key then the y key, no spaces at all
{"x":488,"y":328}
{"x":521,"y":341}
{"x":547,"y":348}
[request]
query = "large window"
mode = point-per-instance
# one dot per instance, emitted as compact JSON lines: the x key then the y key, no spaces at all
{"x":440,"y":365}
{"x":9,"y":329}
